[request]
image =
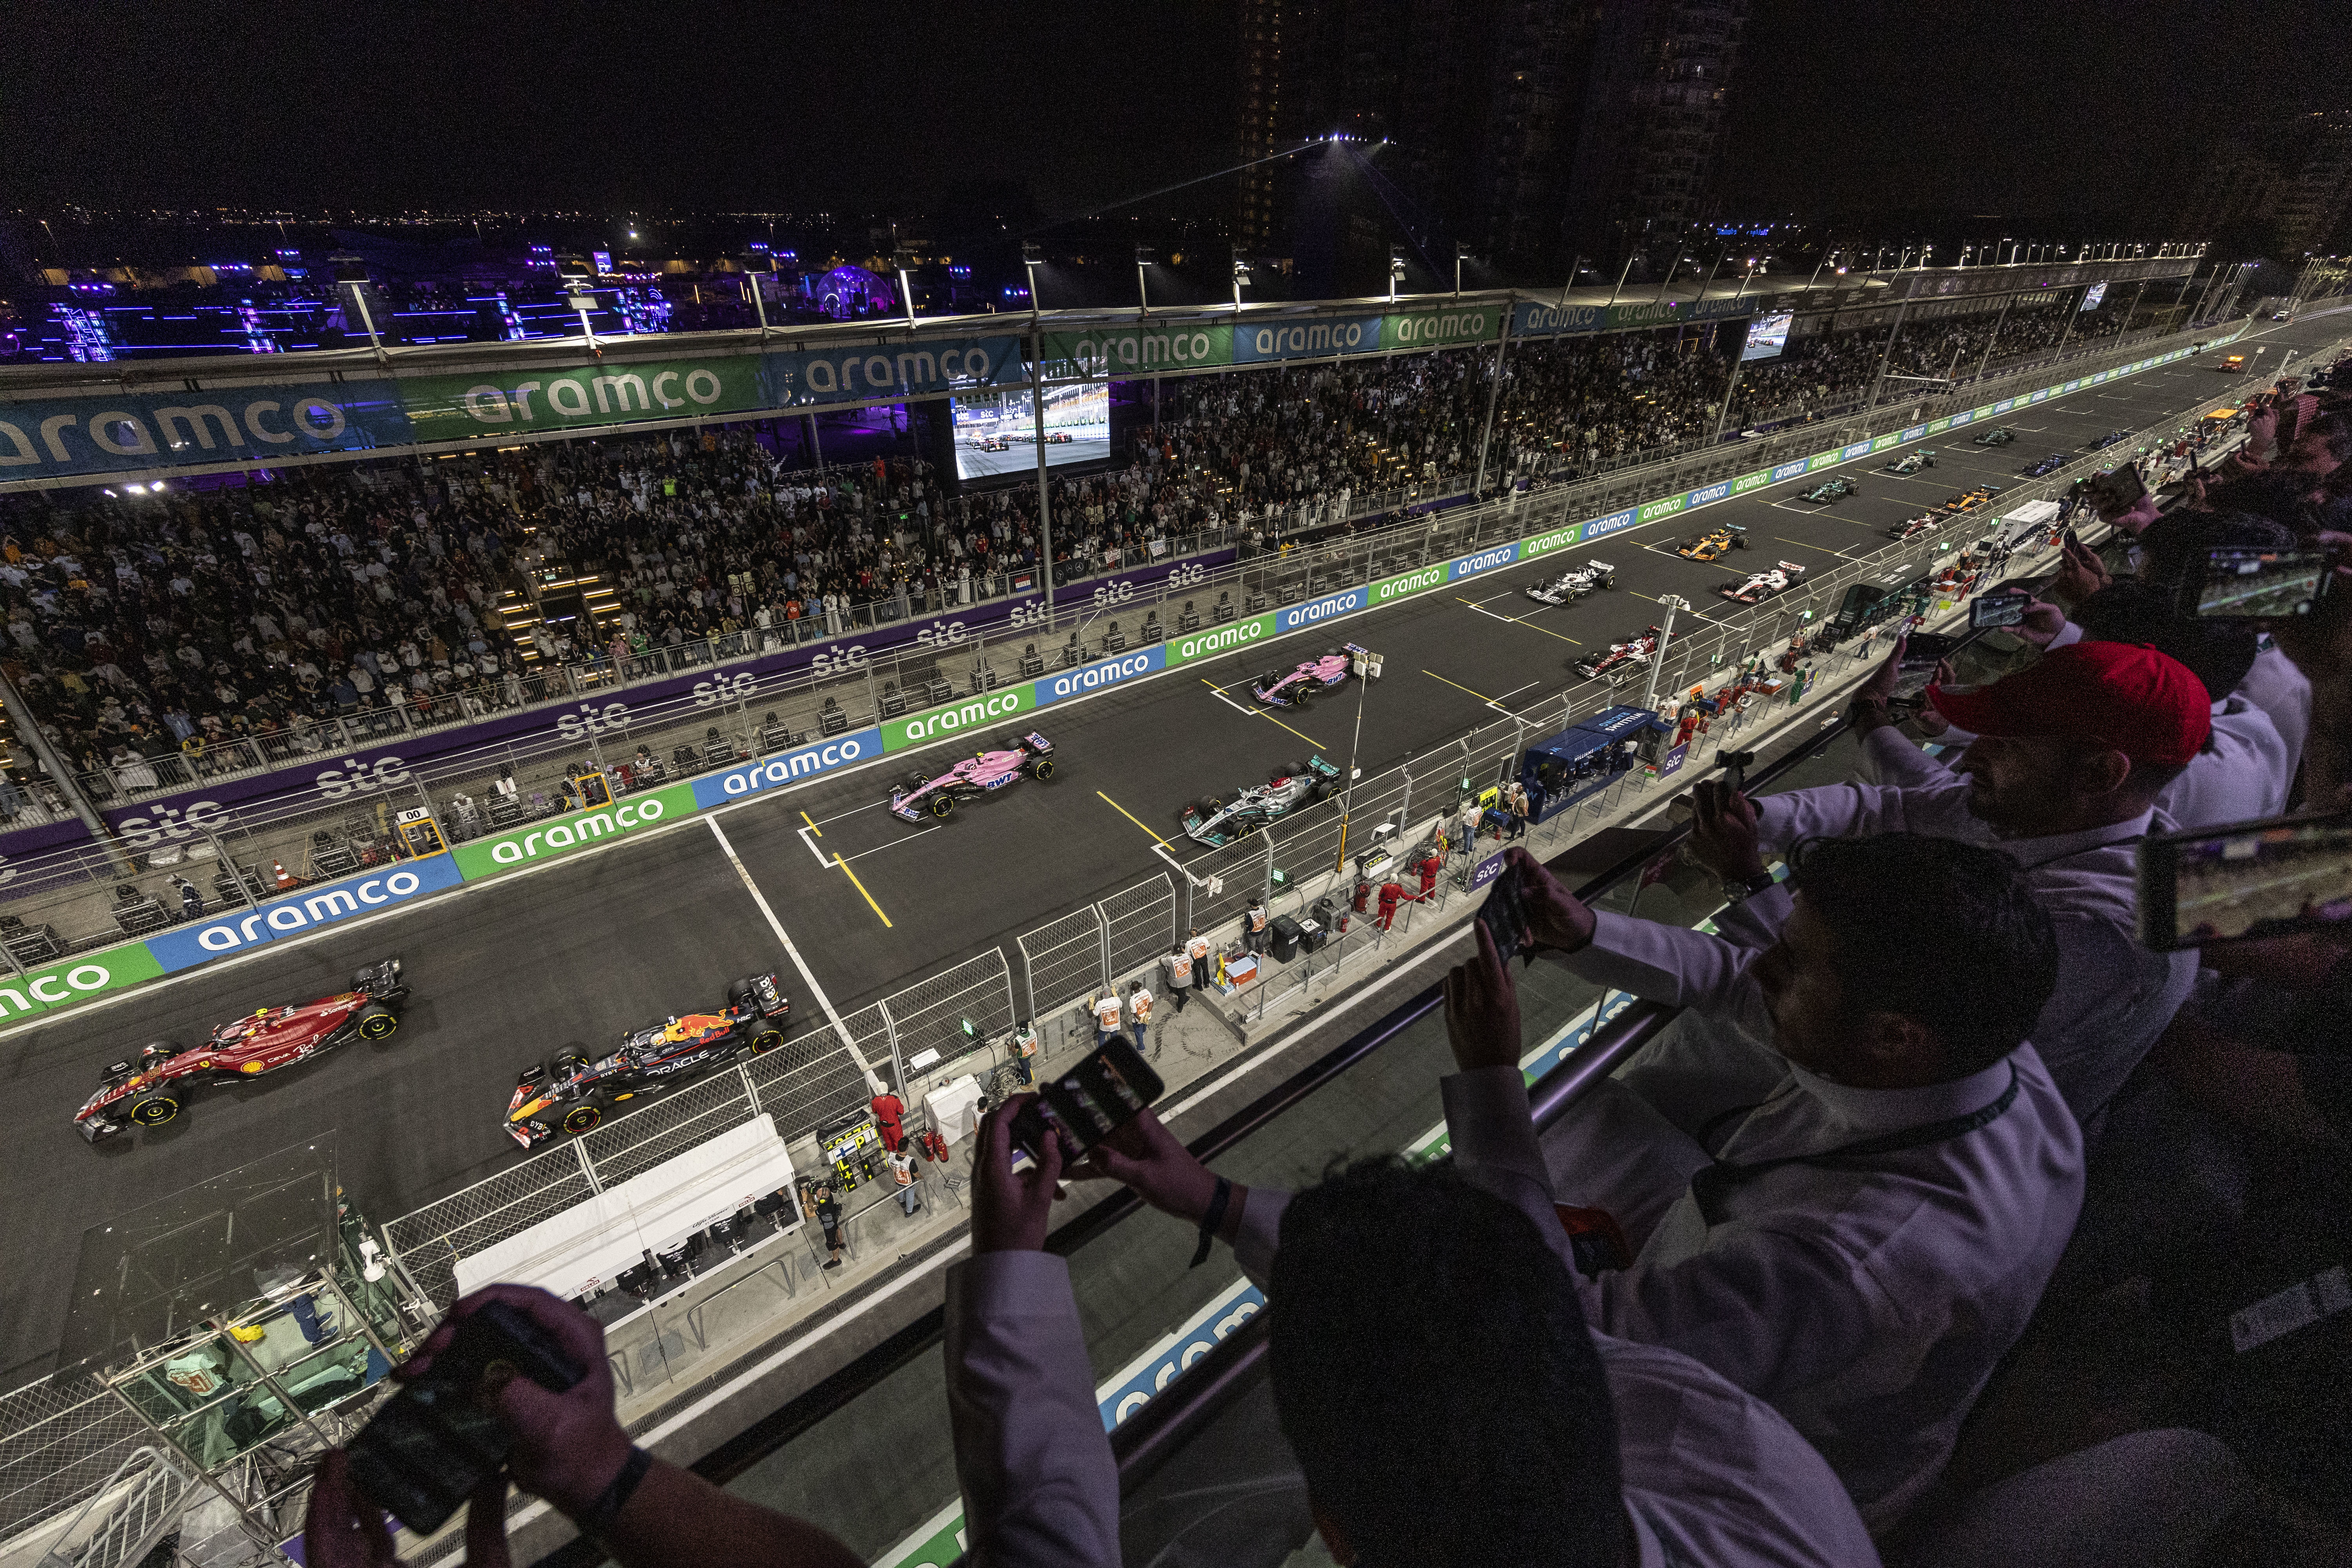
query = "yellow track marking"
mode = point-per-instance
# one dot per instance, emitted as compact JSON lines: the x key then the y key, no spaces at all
{"x":861,"y":889}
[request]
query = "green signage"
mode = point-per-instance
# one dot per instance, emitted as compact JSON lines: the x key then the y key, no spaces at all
{"x":1440,"y":329}
{"x":1544,"y":544}
{"x":76,"y":980}
{"x":1210,"y":641}
{"x":545,"y":841}
{"x":1667,"y":507}
{"x":1745,"y":482}
{"x":953,"y":717}
{"x":1135,"y":351}
{"x":573,"y":397}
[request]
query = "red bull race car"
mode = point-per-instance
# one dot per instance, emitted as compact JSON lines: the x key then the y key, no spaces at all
{"x":1573,"y":583}
{"x":571,"y":1093}
{"x":1764,"y":585}
{"x":1018,"y":756}
{"x":1220,"y":819}
{"x":1618,"y":660}
{"x":1298,"y":687}
{"x":150,"y":1090}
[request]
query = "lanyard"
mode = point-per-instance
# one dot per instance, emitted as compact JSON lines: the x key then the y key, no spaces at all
{"x":1716,"y":1181}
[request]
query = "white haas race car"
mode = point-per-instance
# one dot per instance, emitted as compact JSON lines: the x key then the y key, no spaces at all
{"x":1573,"y":583}
{"x":1618,"y":660}
{"x":1019,"y":756}
{"x":1221,"y":819}
{"x":1298,"y":687}
{"x":1764,"y":585}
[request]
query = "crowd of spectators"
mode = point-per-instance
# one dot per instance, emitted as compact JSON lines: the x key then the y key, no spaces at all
{"x":172,"y":633}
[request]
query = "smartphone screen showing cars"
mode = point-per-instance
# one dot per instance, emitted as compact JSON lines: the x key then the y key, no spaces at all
{"x":2261,"y":584}
{"x":2263,"y":879}
{"x":1086,"y":1104}
{"x":1986,"y":611}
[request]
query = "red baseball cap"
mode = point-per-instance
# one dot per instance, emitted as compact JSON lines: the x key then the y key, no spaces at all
{"x":2125,"y":696}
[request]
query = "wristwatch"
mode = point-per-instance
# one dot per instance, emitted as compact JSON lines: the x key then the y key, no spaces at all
{"x":1740,"y":892}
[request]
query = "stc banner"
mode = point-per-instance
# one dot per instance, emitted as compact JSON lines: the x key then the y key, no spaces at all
{"x":124,"y":432}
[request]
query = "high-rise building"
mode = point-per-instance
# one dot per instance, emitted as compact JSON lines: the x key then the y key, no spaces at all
{"x":1652,"y":138}
{"x":1263,"y":127}
{"x":2313,"y":208}
{"x":2283,"y":188}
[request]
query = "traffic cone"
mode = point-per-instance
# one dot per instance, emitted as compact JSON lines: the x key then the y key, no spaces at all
{"x":285,"y":879}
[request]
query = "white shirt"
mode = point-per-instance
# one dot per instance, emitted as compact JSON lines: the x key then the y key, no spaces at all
{"x":2281,"y":690}
{"x":2113,"y":997}
{"x":1867,"y":1303}
{"x":2242,"y":773}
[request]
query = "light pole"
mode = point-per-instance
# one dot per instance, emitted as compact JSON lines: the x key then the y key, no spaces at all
{"x":1827,"y":257}
{"x":1241,"y":278}
{"x":1031,"y":259}
{"x":1396,"y":270}
{"x":903,"y":261}
{"x":1658,"y":654}
{"x":1368,"y":669}
{"x":1460,"y":250}
{"x":1142,"y":260}
{"x":1621,"y":276}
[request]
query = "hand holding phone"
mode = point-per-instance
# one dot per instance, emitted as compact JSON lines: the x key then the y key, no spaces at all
{"x":1503,"y":917}
{"x":1011,"y":1209}
{"x":2255,"y":585}
{"x":1077,"y":1111}
{"x":1482,"y":1008}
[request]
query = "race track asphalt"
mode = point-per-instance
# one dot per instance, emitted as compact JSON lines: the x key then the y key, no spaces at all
{"x":586,"y":947}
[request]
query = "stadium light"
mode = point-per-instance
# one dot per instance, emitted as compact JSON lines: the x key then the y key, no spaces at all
{"x":1143,"y":255}
{"x":1241,"y":277}
{"x":1396,"y":270}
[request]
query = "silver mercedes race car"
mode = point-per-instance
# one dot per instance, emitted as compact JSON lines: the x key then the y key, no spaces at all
{"x":1573,"y":583}
{"x":1220,"y":819}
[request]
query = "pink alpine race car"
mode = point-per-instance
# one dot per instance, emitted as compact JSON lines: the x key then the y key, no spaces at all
{"x":1030,"y":755}
{"x":1298,"y":688}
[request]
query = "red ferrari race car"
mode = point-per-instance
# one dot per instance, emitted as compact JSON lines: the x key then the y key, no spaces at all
{"x":1296,"y":688}
{"x":1619,"y":659}
{"x":572,"y":1094}
{"x":1030,"y":755}
{"x":150,"y":1090}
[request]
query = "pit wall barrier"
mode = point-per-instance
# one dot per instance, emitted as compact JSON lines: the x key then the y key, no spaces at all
{"x":84,"y":976}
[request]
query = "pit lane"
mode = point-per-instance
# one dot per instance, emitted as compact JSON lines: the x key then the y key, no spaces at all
{"x":587,"y":946}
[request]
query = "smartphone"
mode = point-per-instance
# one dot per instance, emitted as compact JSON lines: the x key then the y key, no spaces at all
{"x":1504,"y":915}
{"x":429,"y":1446}
{"x":2116,"y":492}
{"x":2243,"y":585}
{"x":2005,"y":608}
{"x":1088,"y":1103}
{"x":1735,"y":766}
{"x":1922,"y":652}
{"x":2255,"y":879}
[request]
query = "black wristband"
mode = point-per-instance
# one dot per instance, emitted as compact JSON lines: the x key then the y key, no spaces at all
{"x":598,"y":1517}
{"x":1211,"y":1220}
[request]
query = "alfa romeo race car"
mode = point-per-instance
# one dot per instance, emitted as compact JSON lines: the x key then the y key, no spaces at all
{"x":1221,"y":819}
{"x":1999,"y":435}
{"x":1911,"y":462}
{"x":1619,"y":659}
{"x":2048,"y":465}
{"x":1912,"y":527}
{"x":1296,"y":688}
{"x":1031,"y":755}
{"x":1764,"y":585}
{"x":150,"y":1090}
{"x":1830,"y":492}
{"x":1715,"y":541}
{"x":1573,"y":583}
{"x":571,"y":1093}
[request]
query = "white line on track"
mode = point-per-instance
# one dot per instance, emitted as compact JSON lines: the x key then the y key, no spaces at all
{"x":1229,"y":702}
{"x":777,"y":926}
{"x":814,"y":850}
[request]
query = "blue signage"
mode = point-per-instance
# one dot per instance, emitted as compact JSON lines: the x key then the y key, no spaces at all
{"x":1306,"y":614}
{"x":237,"y":929}
{"x":1487,"y":561}
{"x":123,"y":432}
{"x":1087,"y":680}
{"x":788,"y":767}
{"x":1601,"y":526}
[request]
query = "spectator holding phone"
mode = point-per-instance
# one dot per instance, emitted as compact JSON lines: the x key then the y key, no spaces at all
{"x":571,"y":1449}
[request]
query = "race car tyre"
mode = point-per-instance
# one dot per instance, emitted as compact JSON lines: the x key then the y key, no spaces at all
{"x":1041,"y":769}
{"x":942,"y":805}
{"x":766,"y":1041}
{"x":1739,"y":541}
{"x":362,"y":979}
{"x":377,"y":1022}
{"x":583,"y":1118}
{"x":737,"y":993}
{"x":1306,"y":694}
{"x":1318,"y":792}
{"x":916,"y":780}
{"x":154,"y":1109}
{"x":567,"y":1063}
{"x":1292,"y":770}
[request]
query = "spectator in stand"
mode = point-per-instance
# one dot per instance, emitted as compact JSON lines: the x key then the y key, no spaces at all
{"x":1431,"y":1368}
{"x":570,"y":1449}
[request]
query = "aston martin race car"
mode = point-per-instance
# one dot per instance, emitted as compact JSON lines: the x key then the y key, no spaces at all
{"x":1619,"y":660}
{"x":2100,"y":443}
{"x":1999,"y":435}
{"x":1573,"y":583}
{"x":2048,"y":465}
{"x":1911,"y":462}
{"x":1220,"y":819}
{"x":571,"y":1093}
{"x":149,"y":1088}
{"x":1030,"y":755}
{"x":1715,"y":541}
{"x":1764,"y":585}
{"x":1296,"y":687}
{"x":1912,"y":527}
{"x":1830,"y":492}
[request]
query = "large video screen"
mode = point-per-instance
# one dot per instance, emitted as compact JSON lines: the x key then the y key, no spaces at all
{"x":996,"y":433}
{"x":2092,"y":296}
{"x":1767,"y":336}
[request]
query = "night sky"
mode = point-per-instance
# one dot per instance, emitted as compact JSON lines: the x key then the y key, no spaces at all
{"x":1992,"y":106}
